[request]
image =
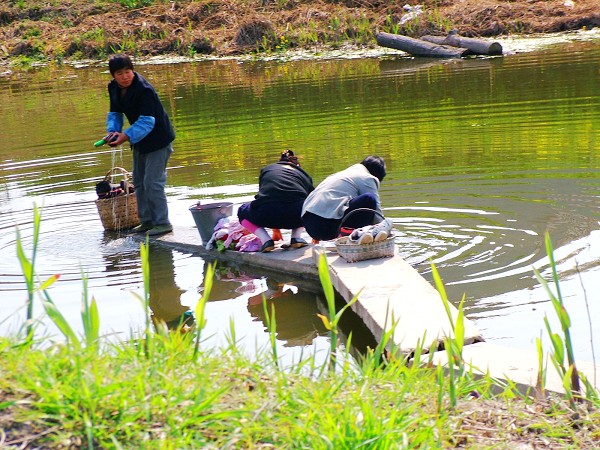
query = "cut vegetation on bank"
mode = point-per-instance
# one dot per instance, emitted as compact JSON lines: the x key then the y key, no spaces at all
{"x":84,"y":29}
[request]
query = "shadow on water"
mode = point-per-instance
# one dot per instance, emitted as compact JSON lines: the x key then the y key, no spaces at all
{"x":164,"y":293}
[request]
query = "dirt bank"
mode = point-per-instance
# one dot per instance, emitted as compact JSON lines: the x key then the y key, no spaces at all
{"x":80,"y":29}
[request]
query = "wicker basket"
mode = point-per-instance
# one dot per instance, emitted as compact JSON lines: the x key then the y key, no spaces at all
{"x":352,"y":252}
{"x":119,"y":212}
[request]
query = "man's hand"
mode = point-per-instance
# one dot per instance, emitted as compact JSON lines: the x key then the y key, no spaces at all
{"x":115,"y":138}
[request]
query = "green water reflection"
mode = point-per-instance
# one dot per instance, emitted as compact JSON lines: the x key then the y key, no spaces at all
{"x":484,"y":156}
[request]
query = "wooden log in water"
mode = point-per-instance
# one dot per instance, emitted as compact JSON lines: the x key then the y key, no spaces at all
{"x":477,"y":46}
{"x":418,"y":47}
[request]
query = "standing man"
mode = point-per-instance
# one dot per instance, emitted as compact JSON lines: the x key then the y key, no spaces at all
{"x":150,"y":134}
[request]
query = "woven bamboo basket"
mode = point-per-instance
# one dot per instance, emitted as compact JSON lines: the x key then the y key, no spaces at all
{"x":119,"y":212}
{"x":352,"y":252}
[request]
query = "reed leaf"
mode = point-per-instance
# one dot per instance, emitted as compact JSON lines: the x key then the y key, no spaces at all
{"x":558,"y":345}
{"x":439,"y":285}
{"x":386,"y":338}
{"x":440,"y":391}
{"x":331,"y":322}
{"x":326,"y":284}
{"x":272,"y":328}
{"x":26,"y":265}
{"x":459,"y":328}
{"x":91,"y":322}
{"x":59,"y":320}
{"x":566,"y":382}
{"x":89,"y":315}
{"x":200,"y":308}
{"x":591,"y":393}
{"x":541,"y":377}
{"x":49,"y":282}
{"x":145,"y":299}
{"x":28,"y":270}
{"x":561,"y":312}
{"x":325,"y":320}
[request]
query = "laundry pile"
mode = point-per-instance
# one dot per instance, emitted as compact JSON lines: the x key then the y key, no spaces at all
{"x":229,"y":234}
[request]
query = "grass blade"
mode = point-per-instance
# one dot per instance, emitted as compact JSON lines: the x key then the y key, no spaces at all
{"x":60,"y":321}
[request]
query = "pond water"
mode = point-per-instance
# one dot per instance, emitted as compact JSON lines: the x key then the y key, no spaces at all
{"x":484,"y":156}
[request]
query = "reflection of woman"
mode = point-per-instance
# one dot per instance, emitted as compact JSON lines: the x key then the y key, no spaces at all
{"x":282,"y":188}
{"x":341,"y":193}
{"x":296,"y":315}
{"x":165,"y":295}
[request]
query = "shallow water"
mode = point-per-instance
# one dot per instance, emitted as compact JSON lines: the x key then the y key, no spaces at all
{"x":484,"y":156}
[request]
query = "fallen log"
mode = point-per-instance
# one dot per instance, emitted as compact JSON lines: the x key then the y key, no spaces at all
{"x":477,"y":46}
{"x":418,"y":47}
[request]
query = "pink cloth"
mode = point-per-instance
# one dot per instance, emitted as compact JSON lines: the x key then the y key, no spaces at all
{"x":230,"y":231}
{"x":249,"y":243}
{"x":236,"y":231}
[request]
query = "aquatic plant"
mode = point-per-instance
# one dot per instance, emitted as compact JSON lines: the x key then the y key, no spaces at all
{"x":201,"y":306}
{"x":561,"y":345}
{"x":453,"y":343}
{"x":28,"y":268}
{"x":271,"y":323}
{"x":331,"y":322}
{"x":89,"y":312}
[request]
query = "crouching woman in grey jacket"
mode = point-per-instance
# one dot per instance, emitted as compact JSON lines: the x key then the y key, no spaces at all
{"x":341,"y":193}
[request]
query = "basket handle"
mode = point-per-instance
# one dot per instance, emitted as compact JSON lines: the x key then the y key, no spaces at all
{"x":111,"y":173}
{"x":358,"y":210}
{"x":126,"y":175}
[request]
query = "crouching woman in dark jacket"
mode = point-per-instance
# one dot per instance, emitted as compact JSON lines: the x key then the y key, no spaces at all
{"x":282,"y":189}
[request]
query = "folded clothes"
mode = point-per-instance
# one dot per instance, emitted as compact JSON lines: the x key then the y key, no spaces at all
{"x":372,"y":233}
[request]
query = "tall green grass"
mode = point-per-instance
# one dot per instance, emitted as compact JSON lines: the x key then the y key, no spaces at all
{"x":162,"y":389}
{"x":562,"y":355}
{"x":332,"y":320}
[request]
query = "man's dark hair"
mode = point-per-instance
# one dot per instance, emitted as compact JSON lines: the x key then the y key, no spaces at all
{"x":119,"y":62}
{"x":375,"y":165}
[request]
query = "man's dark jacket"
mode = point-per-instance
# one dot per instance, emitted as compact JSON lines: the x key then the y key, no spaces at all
{"x":141,"y":99}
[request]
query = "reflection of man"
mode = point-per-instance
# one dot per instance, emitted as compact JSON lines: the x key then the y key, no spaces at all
{"x":295,"y":314}
{"x":165,"y":295}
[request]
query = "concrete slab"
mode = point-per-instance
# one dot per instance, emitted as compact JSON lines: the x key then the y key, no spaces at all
{"x":390,"y":290}
{"x":518,"y":365}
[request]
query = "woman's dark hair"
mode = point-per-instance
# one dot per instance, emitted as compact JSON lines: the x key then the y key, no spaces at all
{"x":288,"y":156}
{"x":119,"y":62}
{"x":375,"y":165}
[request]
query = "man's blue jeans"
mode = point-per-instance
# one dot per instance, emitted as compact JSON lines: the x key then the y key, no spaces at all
{"x":149,"y":178}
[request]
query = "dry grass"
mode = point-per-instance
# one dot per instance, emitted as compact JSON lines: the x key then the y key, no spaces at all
{"x":96,"y":28}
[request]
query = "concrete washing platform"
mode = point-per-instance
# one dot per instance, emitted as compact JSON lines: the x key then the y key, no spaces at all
{"x":390,"y":291}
